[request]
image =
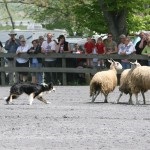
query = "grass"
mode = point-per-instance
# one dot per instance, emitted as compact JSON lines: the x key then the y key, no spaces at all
{"x":8,"y":27}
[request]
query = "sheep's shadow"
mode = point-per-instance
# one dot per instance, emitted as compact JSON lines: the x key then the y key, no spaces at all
{"x":101,"y":102}
{"x":114,"y":103}
{"x":126,"y":103}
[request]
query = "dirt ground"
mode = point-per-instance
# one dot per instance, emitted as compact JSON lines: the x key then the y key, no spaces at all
{"x":71,"y":122}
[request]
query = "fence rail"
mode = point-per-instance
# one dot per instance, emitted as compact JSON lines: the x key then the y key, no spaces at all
{"x":64,"y":70}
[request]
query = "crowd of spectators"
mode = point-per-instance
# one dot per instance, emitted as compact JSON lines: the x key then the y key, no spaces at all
{"x":49,"y":45}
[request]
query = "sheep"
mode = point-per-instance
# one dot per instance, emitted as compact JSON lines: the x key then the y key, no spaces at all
{"x":124,"y":81}
{"x":104,"y":81}
{"x":140,"y":81}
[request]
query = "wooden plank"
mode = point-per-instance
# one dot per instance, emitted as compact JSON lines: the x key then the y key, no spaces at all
{"x":63,"y":69}
{"x":70,"y":55}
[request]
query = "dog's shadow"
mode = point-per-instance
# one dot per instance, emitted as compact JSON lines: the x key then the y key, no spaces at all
{"x":15,"y":104}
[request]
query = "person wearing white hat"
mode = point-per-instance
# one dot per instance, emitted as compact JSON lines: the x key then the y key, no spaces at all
{"x":22,"y":62}
{"x":11,"y":46}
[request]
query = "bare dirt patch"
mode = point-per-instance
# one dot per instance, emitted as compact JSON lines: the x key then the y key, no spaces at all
{"x":72,"y":122}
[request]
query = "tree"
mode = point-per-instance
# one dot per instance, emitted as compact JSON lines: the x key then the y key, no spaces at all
{"x":119,"y":13}
{"x":9,"y":14}
{"x":90,"y":16}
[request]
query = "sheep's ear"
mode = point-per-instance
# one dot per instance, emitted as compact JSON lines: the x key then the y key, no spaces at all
{"x":110,"y":61}
{"x":44,"y":84}
{"x":131,"y":63}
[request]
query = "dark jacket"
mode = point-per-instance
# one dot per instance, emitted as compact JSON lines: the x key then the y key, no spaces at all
{"x":37,"y":50}
{"x":139,"y":50}
{"x":11,"y":46}
{"x":1,"y":45}
{"x":65,"y":46}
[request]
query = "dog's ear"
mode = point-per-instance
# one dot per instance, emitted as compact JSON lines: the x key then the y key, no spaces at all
{"x":44,"y":85}
{"x":50,"y":85}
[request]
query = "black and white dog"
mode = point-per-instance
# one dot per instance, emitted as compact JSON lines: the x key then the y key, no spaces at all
{"x":31,"y":89}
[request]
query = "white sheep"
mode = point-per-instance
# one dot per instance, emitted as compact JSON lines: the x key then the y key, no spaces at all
{"x":124,"y":81}
{"x":105,"y":81}
{"x":140,"y":81}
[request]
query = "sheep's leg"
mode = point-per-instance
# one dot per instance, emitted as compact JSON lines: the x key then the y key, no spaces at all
{"x":143,"y":97}
{"x":105,"y":101}
{"x":94,"y":97}
{"x":119,"y":97}
{"x":136,"y":96}
{"x":130,"y":99}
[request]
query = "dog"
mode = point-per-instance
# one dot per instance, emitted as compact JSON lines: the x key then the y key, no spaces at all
{"x":31,"y":89}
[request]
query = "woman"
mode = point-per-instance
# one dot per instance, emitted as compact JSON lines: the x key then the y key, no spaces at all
{"x":63,"y":47}
{"x":126,"y":49}
{"x":22,"y":62}
{"x":110,"y":45}
{"x":146,"y":50}
{"x":35,"y":62}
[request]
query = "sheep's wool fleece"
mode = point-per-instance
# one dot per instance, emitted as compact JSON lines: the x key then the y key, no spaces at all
{"x":107,"y":81}
{"x":124,"y":80}
{"x":140,"y":79}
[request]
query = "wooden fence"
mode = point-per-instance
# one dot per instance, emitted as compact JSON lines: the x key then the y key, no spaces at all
{"x":64,"y":70}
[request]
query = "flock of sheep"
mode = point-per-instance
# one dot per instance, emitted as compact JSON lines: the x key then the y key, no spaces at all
{"x":132,"y":81}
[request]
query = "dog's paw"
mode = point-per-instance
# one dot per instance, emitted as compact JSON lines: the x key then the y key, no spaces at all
{"x":5,"y":98}
{"x":48,"y":102}
{"x":54,"y":89}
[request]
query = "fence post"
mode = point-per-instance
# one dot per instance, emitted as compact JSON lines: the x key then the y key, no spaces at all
{"x":64,"y":74}
{"x":16,"y":73}
{"x":3,"y":75}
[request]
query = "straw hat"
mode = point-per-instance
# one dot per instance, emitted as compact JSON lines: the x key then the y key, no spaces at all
{"x":12,"y":33}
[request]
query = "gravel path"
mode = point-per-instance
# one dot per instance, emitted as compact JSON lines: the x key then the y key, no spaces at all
{"x":71,"y":122}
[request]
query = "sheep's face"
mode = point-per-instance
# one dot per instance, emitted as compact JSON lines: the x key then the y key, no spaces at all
{"x":135,"y":64}
{"x":117,"y":65}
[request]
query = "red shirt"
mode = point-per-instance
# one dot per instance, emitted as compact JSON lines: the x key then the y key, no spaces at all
{"x":100,"y":48}
{"x":89,"y":47}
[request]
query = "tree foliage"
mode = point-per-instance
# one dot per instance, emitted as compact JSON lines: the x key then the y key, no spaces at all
{"x":88,"y":16}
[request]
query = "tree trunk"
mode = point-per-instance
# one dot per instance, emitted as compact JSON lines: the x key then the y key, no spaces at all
{"x":10,"y":16}
{"x":116,"y":20}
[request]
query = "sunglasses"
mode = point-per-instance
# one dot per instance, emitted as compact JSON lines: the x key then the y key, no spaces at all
{"x":22,"y":41}
{"x":109,"y":35}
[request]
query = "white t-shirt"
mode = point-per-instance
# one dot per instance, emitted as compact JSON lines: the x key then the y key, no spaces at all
{"x":94,"y":52}
{"x":49,"y":47}
{"x":22,"y":49}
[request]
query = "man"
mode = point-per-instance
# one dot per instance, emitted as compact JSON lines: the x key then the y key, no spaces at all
{"x":49,"y":46}
{"x":11,"y":46}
